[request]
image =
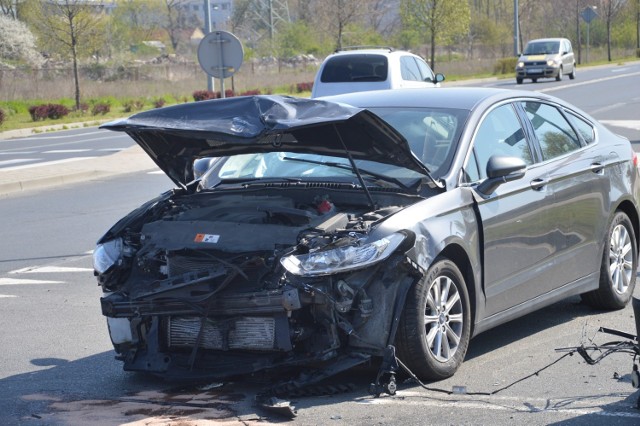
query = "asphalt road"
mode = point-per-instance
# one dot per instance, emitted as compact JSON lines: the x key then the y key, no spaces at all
{"x":57,"y":366}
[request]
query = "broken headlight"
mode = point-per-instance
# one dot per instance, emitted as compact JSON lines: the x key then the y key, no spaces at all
{"x":342,"y":259}
{"x":107,"y":254}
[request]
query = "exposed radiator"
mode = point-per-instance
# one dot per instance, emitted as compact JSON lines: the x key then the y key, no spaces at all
{"x":248,"y":333}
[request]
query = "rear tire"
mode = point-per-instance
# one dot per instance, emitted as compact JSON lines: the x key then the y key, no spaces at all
{"x":618,"y":267}
{"x":572,"y":75}
{"x":435,"y":326}
{"x":534,"y":80}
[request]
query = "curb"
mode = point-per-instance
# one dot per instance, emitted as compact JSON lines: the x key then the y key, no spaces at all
{"x":131,"y":160}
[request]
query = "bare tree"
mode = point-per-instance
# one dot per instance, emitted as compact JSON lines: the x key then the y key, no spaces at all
{"x":610,"y":9}
{"x":174,"y":23}
{"x":8,"y":7}
{"x":70,"y":25}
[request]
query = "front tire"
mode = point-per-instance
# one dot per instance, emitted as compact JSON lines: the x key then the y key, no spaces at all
{"x":618,"y":268}
{"x":435,"y":326}
{"x":559,"y":76}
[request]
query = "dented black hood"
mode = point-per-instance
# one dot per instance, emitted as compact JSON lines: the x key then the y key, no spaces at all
{"x":177,"y":135}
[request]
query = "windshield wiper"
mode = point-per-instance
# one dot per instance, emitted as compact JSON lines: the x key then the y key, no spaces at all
{"x":248,"y":180}
{"x":376,"y":175}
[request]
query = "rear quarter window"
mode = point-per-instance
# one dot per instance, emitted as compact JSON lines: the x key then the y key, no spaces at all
{"x":583,"y":127}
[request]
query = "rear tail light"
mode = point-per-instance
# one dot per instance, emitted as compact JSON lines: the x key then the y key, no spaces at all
{"x":634,"y":155}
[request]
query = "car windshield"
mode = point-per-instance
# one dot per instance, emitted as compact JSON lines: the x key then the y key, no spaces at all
{"x":290,"y":166}
{"x":542,"y":48}
{"x":432,"y":135}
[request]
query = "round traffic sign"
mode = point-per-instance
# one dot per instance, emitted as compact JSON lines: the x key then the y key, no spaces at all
{"x":220,"y":54}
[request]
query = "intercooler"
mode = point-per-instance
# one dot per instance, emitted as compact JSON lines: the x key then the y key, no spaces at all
{"x":240,"y":333}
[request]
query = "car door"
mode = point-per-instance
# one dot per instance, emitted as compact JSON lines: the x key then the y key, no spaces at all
{"x":567,"y":56}
{"x":516,"y":240}
{"x":580,"y":187}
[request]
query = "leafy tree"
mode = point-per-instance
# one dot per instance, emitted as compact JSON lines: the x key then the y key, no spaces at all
{"x":135,"y":21}
{"x":17,"y":42}
{"x":440,"y":20}
{"x":296,"y":38}
{"x":70,"y":27}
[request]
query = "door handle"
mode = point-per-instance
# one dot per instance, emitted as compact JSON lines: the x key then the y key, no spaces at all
{"x":539,"y":184}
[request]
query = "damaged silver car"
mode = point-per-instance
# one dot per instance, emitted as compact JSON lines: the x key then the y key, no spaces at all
{"x":391,"y":224}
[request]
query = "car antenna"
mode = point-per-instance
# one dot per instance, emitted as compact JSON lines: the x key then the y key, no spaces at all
{"x":355,"y":169}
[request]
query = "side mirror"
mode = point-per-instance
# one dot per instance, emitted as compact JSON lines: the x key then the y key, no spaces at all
{"x":501,"y":169}
{"x":439,"y":77}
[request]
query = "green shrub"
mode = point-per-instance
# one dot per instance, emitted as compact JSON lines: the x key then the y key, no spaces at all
{"x":1,"y":117}
{"x":505,"y":66}
{"x":100,"y":108}
{"x":131,"y":105}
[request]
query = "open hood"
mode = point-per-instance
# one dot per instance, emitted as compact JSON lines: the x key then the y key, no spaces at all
{"x":177,"y":135}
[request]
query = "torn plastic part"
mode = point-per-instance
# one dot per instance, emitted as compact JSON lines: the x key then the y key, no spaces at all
{"x":278,"y":406}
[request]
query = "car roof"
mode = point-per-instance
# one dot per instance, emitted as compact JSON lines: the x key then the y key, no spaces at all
{"x":446,"y":97}
{"x":368,"y":51}
{"x":548,"y":39}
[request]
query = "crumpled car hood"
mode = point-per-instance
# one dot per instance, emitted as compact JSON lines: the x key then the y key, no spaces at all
{"x":177,"y":135}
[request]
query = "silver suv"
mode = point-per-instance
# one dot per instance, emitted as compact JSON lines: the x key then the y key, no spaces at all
{"x":546,"y":58}
{"x":357,"y":70}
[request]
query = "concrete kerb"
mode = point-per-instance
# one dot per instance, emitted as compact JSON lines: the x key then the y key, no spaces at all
{"x":18,"y":179}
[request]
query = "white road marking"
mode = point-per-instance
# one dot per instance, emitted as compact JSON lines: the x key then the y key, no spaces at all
{"x":18,"y":153}
{"x":627,"y":124}
{"x":36,"y":138}
{"x":18,"y":160}
{"x":590,"y":82}
{"x":6,"y":296}
{"x":49,"y":269}
{"x":65,"y":151}
{"x":45,"y":163}
{"x":15,"y":281}
{"x":525,"y":405}
{"x":157,"y":172}
{"x":111,"y":149}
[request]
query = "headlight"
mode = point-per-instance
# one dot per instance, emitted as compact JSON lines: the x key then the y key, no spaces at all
{"x":106,"y":255}
{"x":520,"y":64}
{"x":342,"y":258}
{"x":553,"y":62}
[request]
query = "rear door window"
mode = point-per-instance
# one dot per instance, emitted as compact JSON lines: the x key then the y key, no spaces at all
{"x":553,"y":131}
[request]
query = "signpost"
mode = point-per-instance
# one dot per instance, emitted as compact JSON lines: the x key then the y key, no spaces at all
{"x":588,"y":14}
{"x":220,"y":55}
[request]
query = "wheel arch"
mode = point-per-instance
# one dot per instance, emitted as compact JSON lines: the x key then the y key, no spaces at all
{"x":459,"y":256}
{"x":628,"y":208}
